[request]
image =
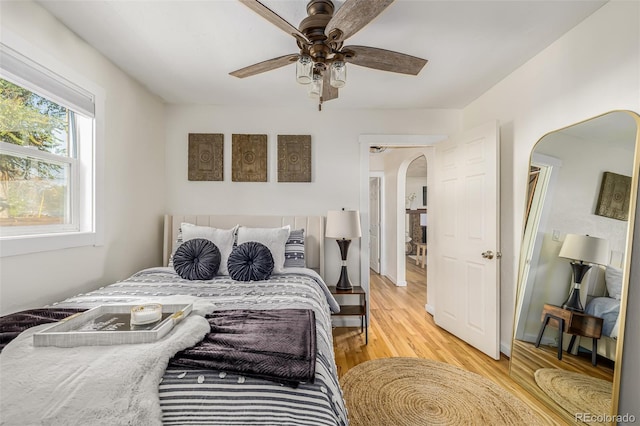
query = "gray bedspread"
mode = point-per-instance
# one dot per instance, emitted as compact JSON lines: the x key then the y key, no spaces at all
{"x":218,"y":397}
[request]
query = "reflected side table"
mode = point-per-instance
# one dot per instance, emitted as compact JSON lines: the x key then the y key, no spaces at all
{"x":574,"y":323}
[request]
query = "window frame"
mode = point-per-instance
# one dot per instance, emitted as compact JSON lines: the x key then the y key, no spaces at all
{"x":88,"y":172}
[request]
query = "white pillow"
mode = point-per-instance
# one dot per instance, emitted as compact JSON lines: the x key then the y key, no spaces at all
{"x":613,"y":280}
{"x":222,"y":238}
{"x":274,"y":238}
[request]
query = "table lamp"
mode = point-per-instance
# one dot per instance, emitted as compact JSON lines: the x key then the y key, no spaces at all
{"x":583,"y":251}
{"x":343,"y":225}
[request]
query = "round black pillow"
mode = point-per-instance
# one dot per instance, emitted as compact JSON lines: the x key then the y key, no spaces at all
{"x":197,"y":259}
{"x":250,"y":261}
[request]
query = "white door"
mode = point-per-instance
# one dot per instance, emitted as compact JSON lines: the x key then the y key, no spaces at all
{"x":466,"y":246}
{"x":374,"y":223}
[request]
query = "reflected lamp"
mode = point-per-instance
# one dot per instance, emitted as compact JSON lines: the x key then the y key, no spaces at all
{"x":583,"y":251}
{"x":343,"y":225}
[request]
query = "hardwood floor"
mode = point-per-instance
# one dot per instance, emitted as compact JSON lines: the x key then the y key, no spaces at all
{"x":399,"y":326}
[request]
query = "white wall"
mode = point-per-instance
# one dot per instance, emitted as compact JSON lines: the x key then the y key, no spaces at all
{"x":593,"y":69}
{"x":133,"y":187}
{"x":414,"y":186}
{"x":335,"y":157}
{"x":376,"y":162}
{"x":578,"y":182}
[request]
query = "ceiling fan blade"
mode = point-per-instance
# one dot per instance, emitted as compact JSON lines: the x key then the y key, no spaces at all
{"x":328,"y":91}
{"x":273,"y":17}
{"x":352,"y":16}
{"x":385,"y":60}
{"x":263,"y":66}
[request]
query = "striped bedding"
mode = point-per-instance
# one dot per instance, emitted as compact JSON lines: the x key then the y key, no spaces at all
{"x":207,"y":397}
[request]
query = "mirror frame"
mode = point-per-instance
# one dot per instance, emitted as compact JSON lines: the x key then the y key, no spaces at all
{"x":617,"y":374}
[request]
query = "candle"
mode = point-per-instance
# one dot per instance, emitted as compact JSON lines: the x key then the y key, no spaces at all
{"x":146,"y":314}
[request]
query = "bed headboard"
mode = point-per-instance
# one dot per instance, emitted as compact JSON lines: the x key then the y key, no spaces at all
{"x":313,"y":231}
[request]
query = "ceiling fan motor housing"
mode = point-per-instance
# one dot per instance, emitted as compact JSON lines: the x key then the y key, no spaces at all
{"x":313,"y":27}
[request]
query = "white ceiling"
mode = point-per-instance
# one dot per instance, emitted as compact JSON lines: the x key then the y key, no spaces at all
{"x":183,"y":50}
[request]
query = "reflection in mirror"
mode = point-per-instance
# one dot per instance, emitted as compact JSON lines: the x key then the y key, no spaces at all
{"x":573,"y":271}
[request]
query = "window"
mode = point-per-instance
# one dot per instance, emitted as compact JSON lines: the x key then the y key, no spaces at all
{"x":47,"y":158}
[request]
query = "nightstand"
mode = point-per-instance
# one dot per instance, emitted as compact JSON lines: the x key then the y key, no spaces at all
{"x":359,"y":310}
{"x":574,"y":323}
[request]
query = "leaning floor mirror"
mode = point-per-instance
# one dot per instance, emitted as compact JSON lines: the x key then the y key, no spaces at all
{"x":574,"y":267}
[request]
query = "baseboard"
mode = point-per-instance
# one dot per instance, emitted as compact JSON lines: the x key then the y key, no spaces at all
{"x":430,"y":309}
{"x":392,"y":279}
{"x":505,"y":349}
{"x":396,"y":282}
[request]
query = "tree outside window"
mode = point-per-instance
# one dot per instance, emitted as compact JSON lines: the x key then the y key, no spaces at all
{"x":36,"y":158}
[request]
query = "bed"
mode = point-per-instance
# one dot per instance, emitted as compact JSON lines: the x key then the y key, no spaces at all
{"x":603,"y":301}
{"x":191,"y":395}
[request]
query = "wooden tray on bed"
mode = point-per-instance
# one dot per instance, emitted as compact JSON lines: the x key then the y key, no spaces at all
{"x":109,"y":325}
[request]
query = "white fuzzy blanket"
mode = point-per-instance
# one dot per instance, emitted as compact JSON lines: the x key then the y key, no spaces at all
{"x":88,"y":385}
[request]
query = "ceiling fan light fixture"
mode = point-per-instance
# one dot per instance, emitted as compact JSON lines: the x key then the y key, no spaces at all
{"x":338,"y":76}
{"x":320,"y":38}
{"x":304,"y":69}
{"x":315,"y":88}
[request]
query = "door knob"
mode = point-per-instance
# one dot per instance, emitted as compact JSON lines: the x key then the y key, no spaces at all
{"x":487,"y":254}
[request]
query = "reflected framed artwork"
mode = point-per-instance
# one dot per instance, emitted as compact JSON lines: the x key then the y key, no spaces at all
{"x":615,"y":193}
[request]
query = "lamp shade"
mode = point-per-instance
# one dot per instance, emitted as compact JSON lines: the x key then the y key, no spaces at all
{"x":585,"y":248}
{"x":343,"y":224}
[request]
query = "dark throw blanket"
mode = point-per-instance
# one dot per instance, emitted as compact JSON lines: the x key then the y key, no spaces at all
{"x":277,"y":345}
{"x":13,"y":324}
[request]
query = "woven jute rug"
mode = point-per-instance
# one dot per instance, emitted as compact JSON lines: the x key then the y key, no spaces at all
{"x":414,"y":391}
{"x":577,"y":393}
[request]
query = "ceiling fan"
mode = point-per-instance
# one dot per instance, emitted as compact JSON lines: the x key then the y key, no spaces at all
{"x":321,"y":61}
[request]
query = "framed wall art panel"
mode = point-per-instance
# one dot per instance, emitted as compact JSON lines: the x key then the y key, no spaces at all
{"x":294,"y":158}
{"x":206,"y":157}
{"x":249,"y":158}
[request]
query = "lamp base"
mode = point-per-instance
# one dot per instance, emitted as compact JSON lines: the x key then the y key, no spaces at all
{"x":343,"y":281}
{"x":573,"y":302}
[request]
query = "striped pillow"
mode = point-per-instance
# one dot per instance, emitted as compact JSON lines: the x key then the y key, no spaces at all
{"x":294,"y":250}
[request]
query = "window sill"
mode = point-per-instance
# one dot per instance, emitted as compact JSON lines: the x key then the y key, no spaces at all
{"x":15,"y":246}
